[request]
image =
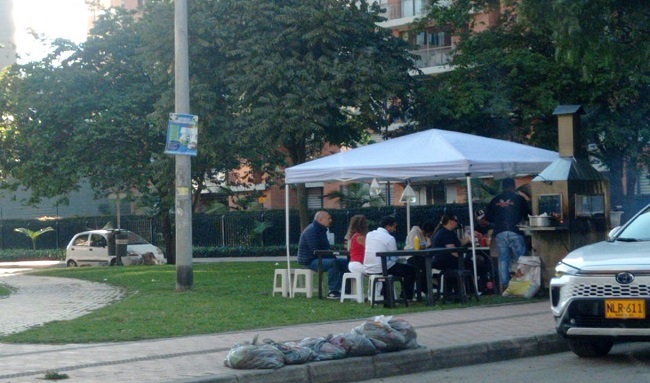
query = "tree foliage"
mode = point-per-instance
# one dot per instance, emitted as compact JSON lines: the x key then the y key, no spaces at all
{"x":508,"y":78}
{"x":81,"y":113}
{"x":304,"y":73}
{"x":270,"y":81}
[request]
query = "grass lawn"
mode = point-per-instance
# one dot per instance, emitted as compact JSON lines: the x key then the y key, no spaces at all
{"x":226,"y":296}
{"x":4,"y":291}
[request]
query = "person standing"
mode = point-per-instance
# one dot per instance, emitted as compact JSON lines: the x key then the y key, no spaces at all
{"x":313,"y":238}
{"x":504,"y":212}
{"x":356,"y":244}
{"x":381,"y":240}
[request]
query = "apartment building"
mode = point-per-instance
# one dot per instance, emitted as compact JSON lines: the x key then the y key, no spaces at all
{"x":434,"y":45}
{"x":128,"y":4}
{"x":105,"y":4}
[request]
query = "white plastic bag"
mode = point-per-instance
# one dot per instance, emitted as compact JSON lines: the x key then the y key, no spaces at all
{"x":527,"y":279}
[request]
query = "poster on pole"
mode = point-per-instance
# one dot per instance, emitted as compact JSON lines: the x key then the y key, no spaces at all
{"x":182,"y":134}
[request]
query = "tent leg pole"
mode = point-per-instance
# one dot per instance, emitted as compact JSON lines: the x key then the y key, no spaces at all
{"x":470,"y":204}
{"x":286,"y":225}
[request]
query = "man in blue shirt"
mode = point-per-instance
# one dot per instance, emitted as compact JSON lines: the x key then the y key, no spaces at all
{"x":314,"y":237}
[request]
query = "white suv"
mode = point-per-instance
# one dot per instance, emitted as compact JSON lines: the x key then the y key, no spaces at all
{"x":90,"y":248}
{"x":600,"y":292}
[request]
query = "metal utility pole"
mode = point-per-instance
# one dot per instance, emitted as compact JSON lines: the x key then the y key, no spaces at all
{"x":183,"y":200}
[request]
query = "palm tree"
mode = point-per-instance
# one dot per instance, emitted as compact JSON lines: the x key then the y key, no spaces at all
{"x":356,"y":195}
{"x":33,"y":234}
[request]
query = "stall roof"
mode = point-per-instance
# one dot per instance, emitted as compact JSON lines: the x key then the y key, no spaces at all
{"x":430,"y":154}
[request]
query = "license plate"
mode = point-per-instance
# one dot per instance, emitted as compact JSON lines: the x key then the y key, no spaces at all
{"x":624,"y":309}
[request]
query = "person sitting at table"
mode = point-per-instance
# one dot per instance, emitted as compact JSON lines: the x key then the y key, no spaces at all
{"x":445,"y":236}
{"x":313,"y":238}
{"x":382,"y":240}
{"x":356,"y":242}
{"x":482,"y":227}
{"x":418,"y":263}
{"x":423,"y":233}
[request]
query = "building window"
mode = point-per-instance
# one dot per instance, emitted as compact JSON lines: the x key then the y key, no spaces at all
{"x":428,"y":39}
{"x":412,"y":7}
{"x":436,"y":193}
{"x":439,"y":39}
{"x":315,"y":198}
{"x":432,"y":46}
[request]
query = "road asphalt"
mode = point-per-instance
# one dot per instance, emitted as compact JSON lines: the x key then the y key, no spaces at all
{"x":447,"y":338}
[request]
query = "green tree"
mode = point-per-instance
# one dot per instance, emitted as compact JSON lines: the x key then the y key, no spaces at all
{"x":509,"y":78}
{"x":304,"y":73}
{"x":83,"y":113}
{"x":608,"y":43}
{"x":220,"y":148}
{"x":99,"y":111}
{"x":505,"y":82}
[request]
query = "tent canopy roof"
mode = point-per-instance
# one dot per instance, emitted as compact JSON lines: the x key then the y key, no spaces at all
{"x":430,"y":154}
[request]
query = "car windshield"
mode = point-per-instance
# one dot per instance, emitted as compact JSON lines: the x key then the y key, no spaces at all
{"x":637,"y":230}
{"x":135,"y":239}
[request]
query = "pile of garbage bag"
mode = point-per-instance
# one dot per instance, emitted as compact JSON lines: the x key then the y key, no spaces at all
{"x":376,"y":335}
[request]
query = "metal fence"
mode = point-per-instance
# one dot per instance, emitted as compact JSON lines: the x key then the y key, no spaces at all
{"x":65,"y":229}
{"x":237,"y":228}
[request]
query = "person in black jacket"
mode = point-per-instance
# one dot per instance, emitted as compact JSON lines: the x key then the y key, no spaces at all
{"x":314,"y":237}
{"x":505,"y":211}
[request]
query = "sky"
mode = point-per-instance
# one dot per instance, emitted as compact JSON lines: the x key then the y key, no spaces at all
{"x":52,"y":18}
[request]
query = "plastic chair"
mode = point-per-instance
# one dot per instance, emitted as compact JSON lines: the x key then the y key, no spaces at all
{"x":356,"y":287}
{"x":303,"y":282}
{"x":281,"y":281}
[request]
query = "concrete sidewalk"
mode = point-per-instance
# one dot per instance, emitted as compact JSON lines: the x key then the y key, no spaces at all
{"x":449,"y":338}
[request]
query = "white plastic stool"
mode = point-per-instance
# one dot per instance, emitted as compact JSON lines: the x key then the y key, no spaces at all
{"x":281,"y":281}
{"x":303,"y":282}
{"x":356,"y":286}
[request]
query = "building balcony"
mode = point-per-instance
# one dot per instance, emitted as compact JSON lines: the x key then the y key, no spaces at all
{"x":400,"y":13}
{"x":433,"y":60}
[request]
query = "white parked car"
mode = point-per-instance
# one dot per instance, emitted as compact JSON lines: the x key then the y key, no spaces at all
{"x":600,"y":292}
{"x":90,"y":248}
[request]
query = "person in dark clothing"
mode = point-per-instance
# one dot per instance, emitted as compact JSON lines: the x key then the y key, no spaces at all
{"x":504,"y":212}
{"x":482,"y":226}
{"x":445,"y":236}
{"x":314,"y":237}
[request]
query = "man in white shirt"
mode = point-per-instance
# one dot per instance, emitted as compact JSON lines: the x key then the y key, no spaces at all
{"x":381,"y":240}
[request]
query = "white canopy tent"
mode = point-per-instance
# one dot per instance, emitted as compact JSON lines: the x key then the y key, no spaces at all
{"x":427,"y":155}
